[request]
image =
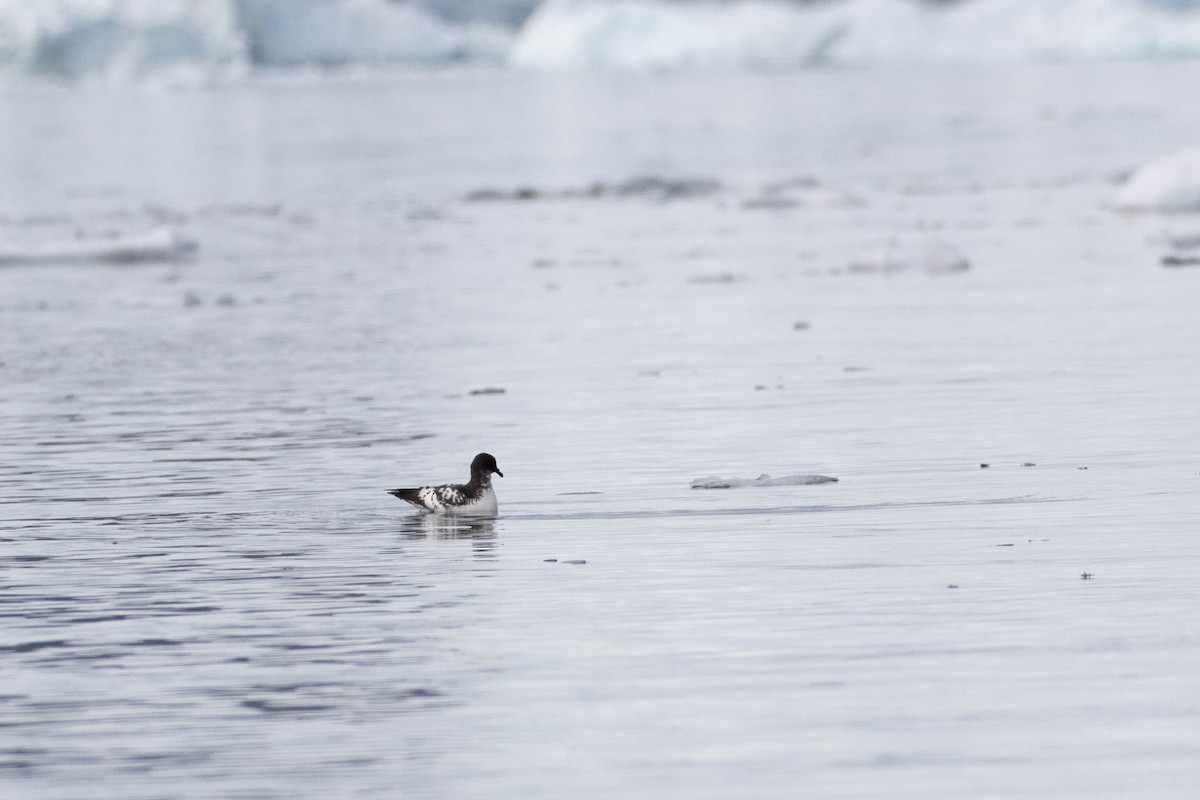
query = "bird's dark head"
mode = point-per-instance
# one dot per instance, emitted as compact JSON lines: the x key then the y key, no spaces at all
{"x":484,"y":465}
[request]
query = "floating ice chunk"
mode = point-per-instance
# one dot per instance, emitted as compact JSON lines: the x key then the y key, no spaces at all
{"x":159,"y":244}
{"x":713,"y":482}
{"x":927,"y":254}
{"x":1169,"y":184}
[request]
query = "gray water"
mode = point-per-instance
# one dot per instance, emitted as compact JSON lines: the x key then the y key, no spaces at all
{"x":207,"y":593}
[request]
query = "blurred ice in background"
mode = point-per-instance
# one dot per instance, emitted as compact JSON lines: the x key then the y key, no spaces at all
{"x":81,"y":37}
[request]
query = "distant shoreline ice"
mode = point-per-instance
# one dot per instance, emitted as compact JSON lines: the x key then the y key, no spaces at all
{"x":132,"y":38}
{"x":770,"y":33}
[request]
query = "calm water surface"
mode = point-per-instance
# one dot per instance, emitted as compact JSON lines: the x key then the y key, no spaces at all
{"x":207,"y":593}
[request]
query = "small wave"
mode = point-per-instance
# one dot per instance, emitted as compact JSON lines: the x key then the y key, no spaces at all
{"x":774,"y":510}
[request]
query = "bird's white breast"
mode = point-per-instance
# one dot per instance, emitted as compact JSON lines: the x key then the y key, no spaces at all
{"x":439,"y":501}
{"x":484,"y":505}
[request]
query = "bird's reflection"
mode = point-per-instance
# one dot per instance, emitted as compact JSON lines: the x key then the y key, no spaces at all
{"x":480,"y":530}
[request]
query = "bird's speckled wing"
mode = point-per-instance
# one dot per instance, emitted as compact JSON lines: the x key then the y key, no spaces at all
{"x":433,"y":498}
{"x":439,"y":497}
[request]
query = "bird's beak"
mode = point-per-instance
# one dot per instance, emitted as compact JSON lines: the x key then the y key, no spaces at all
{"x":498,"y":472}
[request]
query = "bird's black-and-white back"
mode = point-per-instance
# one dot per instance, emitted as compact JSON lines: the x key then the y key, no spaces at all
{"x":473,"y":498}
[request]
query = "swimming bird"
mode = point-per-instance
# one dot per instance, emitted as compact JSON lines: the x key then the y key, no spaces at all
{"x":473,"y":498}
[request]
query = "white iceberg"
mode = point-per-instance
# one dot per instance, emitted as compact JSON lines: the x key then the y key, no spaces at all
{"x":124,"y":38}
{"x":1170,"y":184}
{"x":159,"y":244}
{"x":73,"y":38}
{"x":647,"y":33}
{"x":714,"y":482}
{"x":708,"y":34}
{"x":337,"y":32}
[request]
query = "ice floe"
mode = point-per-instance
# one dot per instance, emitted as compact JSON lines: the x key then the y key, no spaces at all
{"x":713,"y":482}
{"x":925,"y":254}
{"x":1170,"y":184}
{"x":159,"y":244}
